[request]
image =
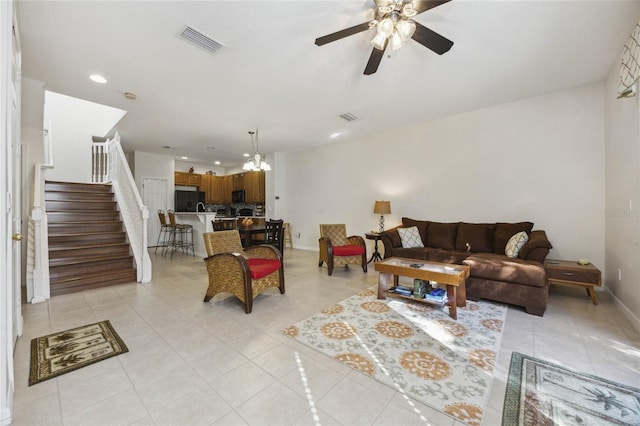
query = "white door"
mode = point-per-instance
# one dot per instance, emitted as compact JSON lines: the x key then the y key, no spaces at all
{"x":154,"y":196}
{"x":16,"y":177}
{"x":10,"y":311}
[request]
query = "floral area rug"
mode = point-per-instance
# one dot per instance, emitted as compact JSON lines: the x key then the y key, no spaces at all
{"x":69,"y":350}
{"x":413,"y":347}
{"x":541,"y":393}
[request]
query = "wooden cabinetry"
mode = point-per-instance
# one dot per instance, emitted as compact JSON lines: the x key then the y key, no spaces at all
{"x":186,"y":179}
{"x":254,"y":187}
{"x":218,"y":189}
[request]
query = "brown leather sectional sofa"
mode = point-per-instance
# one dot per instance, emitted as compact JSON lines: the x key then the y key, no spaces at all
{"x":518,"y":281}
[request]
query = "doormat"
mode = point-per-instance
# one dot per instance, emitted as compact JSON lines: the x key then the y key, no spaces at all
{"x":540,"y":393}
{"x":414,"y":348}
{"x":65,"y":351}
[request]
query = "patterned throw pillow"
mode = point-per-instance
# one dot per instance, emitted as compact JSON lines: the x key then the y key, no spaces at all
{"x":410,"y":237}
{"x":515,"y":243}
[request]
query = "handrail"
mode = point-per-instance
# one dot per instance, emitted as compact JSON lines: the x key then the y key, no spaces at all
{"x":110,"y":165}
{"x":38,"y":285}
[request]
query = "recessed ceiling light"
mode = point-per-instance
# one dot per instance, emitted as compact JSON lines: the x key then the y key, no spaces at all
{"x":217,"y":163}
{"x":211,"y":147}
{"x":130,"y":95}
{"x":334,"y":135}
{"x":167,"y":147}
{"x":245,"y":155}
{"x":185,"y":158}
{"x":98,"y":78}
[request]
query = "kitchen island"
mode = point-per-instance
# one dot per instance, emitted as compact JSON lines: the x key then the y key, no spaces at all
{"x":201,"y":223}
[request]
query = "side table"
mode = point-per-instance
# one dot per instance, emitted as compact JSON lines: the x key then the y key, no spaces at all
{"x":567,"y":272}
{"x":375,"y":237}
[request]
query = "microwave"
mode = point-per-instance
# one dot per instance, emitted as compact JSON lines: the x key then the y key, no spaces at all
{"x":237,"y":196}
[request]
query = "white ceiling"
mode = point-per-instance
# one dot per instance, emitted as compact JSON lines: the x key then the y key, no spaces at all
{"x":271,"y":75}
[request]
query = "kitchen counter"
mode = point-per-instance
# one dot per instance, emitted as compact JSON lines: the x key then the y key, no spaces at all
{"x":201,"y":223}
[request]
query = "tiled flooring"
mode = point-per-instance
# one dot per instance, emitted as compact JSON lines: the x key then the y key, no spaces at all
{"x":194,"y":363}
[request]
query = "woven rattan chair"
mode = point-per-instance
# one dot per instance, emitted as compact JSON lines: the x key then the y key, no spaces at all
{"x":336,"y":249}
{"x":245,"y":273}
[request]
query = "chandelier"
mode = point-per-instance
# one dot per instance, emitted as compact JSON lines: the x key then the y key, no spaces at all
{"x":256,"y":162}
{"x":394,"y":25}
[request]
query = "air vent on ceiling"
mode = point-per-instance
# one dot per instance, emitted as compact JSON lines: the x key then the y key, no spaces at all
{"x":203,"y":41}
{"x":348,"y":116}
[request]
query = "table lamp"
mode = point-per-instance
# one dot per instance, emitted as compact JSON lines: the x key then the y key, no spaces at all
{"x":382,"y":208}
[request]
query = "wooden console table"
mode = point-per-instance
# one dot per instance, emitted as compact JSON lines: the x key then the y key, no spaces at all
{"x":568,"y":272}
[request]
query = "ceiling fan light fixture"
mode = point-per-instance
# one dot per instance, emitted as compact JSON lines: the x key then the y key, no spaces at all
{"x":386,"y":27}
{"x":379,"y":41}
{"x":409,"y":11}
{"x":405,"y":29}
{"x":396,"y":41}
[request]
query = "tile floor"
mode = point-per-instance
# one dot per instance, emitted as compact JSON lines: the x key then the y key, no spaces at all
{"x":193,"y":363}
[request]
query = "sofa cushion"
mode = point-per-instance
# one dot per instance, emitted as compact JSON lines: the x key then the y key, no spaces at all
{"x":504,"y":231}
{"x":348,"y":250}
{"x":515,"y":243}
{"x":393,"y":236}
{"x":410,"y":237}
{"x":260,"y":268}
{"x":479,"y":236}
{"x":422,"y":226}
{"x":447,"y":256}
{"x":537,"y":239}
{"x":442,"y":235}
{"x":498,"y":267}
{"x":412,"y":253}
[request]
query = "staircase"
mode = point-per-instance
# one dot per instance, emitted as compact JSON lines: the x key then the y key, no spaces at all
{"x":88,"y":247}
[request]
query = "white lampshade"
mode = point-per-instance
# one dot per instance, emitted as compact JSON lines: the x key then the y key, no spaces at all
{"x":396,"y":41}
{"x":379,"y":41}
{"x":386,"y":27}
{"x":406,"y":28}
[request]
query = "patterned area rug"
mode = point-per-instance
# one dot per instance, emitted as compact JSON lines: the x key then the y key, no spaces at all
{"x":69,"y":350}
{"x":413,"y":347}
{"x":540,"y":393}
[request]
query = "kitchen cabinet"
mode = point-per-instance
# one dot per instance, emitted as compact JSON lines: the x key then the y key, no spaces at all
{"x":180,"y":178}
{"x":186,"y":179}
{"x":254,"y":187}
{"x":205,"y":186}
{"x":218,"y":190}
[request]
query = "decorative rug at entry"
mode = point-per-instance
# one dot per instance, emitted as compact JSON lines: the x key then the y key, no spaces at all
{"x":413,"y":347}
{"x":69,"y":350}
{"x":540,"y":393}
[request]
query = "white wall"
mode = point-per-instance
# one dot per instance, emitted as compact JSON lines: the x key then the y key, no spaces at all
{"x":623,"y":196}
{"x":539,"y":159}
{"x":147,"y":165}
{"x":71,"y":123}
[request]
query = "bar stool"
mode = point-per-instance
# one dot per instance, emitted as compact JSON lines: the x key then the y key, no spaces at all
{"x":287,"y":235}
{"x":164,"y":234}
{"x":185,"y":234}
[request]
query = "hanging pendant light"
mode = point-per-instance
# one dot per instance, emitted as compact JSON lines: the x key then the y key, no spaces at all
{"x":256,"y":163}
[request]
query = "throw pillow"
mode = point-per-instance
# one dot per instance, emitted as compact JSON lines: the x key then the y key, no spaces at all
{"x":410,"y":237}
{"x":515,"y":243}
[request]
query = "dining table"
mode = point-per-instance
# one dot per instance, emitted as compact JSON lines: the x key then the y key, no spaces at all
{"x":247,"y":233}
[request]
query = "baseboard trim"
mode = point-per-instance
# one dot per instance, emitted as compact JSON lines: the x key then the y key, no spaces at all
{"x":627,"y":313}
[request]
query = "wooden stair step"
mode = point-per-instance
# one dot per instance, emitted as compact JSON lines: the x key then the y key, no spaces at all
{"x":77,"y":196}
{"x":91,"y":281}
{"x":87,"y":237}
{"x":79,"y":216}
{"x":58,"y":228}
{"x":89,"y":260}
{"x":76,"y":186}
{"x":83,"y":251}
{"x":95,"y":265}
{"x":75,"y":205}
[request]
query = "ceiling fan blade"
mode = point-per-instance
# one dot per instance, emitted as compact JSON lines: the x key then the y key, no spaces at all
{"x":422,"y":5}
{"x":374,"y":60}
{"x":431,"y":39}
{"x":342,"y":34}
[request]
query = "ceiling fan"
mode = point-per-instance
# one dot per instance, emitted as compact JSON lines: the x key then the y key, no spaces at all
{"x":393,"y":20}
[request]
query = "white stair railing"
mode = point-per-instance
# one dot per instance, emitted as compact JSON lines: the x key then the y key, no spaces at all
{"x":110,"y":165}
{"x":38,"y":285}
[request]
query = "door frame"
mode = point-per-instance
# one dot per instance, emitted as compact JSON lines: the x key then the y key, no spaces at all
{"x":153,"y":210}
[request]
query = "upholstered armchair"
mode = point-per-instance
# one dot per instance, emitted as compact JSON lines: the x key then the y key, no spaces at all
{"x":336,"y":249}
{"x":245,"y":273}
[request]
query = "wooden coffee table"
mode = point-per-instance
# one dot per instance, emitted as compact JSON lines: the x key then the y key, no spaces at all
{"x":453,"y":276}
